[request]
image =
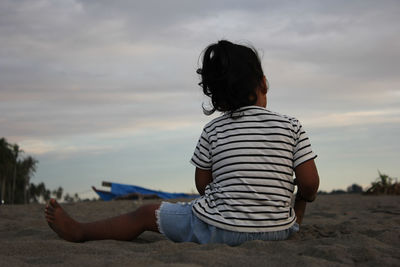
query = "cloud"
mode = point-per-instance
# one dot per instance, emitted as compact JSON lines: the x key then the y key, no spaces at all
{"x":75,"y":67}
{"x":354,"y":119}
{"x":61,"y":149}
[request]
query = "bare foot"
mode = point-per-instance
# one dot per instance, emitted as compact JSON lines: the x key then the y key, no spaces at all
{"x":61,"y":223}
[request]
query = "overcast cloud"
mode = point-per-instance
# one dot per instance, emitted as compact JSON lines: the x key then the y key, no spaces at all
{"x":89,"y":86}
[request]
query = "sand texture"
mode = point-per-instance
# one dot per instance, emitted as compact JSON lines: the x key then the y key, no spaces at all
{"x":338,"y":230}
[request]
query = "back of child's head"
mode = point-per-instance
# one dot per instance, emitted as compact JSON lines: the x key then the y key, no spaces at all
{"x":230,"y":76}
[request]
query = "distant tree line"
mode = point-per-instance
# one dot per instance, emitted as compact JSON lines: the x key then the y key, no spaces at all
{"x":16,"y":172}
{"x":40,"y":192}
{"x":352,"y":189}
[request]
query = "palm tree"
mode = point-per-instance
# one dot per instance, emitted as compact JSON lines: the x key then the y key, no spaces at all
{"x":5,"y":156}
{"x":57,"y":193}
{"x":15,"y":153}
{"x":27,"y":169}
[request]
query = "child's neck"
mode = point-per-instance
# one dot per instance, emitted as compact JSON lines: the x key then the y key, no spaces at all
{"x":261,"y":99}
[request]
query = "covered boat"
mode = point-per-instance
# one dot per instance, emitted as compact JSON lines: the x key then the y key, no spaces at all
{"x":125,"y":191}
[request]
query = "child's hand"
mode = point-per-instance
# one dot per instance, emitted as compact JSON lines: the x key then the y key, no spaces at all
{"x":299,"y":209}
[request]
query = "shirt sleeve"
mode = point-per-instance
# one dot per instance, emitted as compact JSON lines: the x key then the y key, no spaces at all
{"x":202,"y":153}
{"x":302,"y":150}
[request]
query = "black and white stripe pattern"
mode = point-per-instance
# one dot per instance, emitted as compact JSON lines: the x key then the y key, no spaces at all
{"x":252,"y":155}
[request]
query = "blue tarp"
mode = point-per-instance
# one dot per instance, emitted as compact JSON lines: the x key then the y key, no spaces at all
{"x":118,"y":190}
{"x":106,"y":196}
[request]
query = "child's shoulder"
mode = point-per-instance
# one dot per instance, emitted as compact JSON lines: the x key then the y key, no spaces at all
{"x":291,"y":119}
{"x":248,"y":112}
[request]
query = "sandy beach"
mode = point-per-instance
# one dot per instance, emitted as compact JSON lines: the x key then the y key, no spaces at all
{"x":338,"y":230}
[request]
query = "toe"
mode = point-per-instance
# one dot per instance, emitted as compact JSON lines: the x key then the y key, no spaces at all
{"x":50,"y":209}
{"x":53,"y":203}
{"x":47,"y":212}
{"x":49,"y":218}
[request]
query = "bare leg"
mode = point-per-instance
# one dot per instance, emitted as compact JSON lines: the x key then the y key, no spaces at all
{"x":124,"y":227}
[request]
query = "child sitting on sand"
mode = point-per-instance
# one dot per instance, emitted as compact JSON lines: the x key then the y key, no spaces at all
{"x":244,"y":162}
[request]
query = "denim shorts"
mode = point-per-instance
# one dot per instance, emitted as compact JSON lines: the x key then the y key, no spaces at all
{"x":178,"y":223}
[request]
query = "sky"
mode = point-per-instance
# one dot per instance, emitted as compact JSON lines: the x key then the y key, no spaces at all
{"x":108,"y":91}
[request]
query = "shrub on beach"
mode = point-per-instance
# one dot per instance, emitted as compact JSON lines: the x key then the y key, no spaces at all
{"x":384,"y":185}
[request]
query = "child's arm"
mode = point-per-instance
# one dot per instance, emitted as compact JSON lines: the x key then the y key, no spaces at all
{"x":202,"y":178}
{"x":307,"y":180}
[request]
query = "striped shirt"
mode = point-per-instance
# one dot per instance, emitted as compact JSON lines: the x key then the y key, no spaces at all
{"x":252,"y":154}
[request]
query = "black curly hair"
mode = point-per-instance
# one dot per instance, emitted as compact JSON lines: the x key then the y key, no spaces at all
{"x":230,"y":75}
